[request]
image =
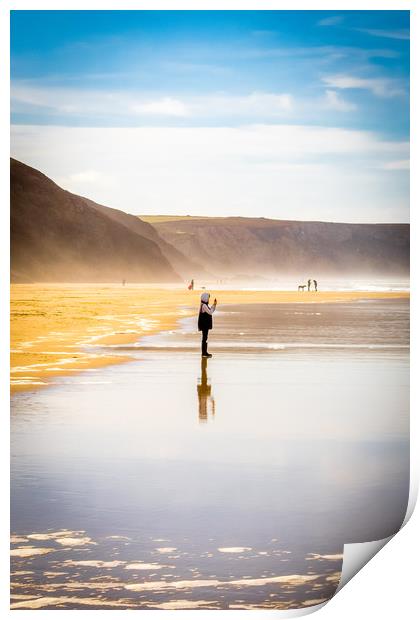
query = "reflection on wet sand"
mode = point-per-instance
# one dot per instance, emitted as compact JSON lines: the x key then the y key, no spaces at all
{"x":204,"y":394}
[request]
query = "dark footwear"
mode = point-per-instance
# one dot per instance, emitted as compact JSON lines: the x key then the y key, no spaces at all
{"x":206,"y":355}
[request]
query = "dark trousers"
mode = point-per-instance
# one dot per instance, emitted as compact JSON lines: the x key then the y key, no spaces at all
{"x":204,"y":335}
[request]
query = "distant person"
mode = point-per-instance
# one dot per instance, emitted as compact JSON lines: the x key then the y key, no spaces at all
{"x":309,"y":285}
{"x":191,"y":285}
{"x":123,"y":282}
{"x":205,"y":321}
{"x":315,"y":285}
{"x":204,"y":394}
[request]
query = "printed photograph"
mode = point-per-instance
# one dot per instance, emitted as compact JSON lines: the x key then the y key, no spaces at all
{"x":210,"y":250}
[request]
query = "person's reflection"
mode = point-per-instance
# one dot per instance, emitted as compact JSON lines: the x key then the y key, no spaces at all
{"x":204,"y":394}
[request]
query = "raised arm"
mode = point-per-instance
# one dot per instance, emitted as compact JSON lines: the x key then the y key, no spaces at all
{"x":205,"y":308}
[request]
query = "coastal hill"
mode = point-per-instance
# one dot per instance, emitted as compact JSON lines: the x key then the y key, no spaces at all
{"x":265,"y":247}
{"x":57,"y":236}
{"x":181,"y":264}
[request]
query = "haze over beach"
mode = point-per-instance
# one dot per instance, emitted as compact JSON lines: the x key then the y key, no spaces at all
{"x":158,"y":155}
{"x":60,"y":237}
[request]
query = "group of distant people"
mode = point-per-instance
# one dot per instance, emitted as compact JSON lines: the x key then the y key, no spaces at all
{"x":302,"y":287}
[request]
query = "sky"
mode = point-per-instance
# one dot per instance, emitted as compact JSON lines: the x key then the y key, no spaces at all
{"x":298,"y":115}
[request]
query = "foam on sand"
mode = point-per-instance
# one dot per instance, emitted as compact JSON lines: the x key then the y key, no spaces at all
{"x":289,"y":580}
{"x":49,"y":601}
{"x":27,"y":552}
{"x":94,"y":563}
{"x":234,"y":549}
{"x":316,"y":556}
{"x":145,"y":566}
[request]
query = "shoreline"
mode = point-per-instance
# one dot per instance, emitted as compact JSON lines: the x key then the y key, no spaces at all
{"x":52,"y":325}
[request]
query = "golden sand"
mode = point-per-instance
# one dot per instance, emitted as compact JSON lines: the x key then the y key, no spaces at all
{"x":53,"y":324}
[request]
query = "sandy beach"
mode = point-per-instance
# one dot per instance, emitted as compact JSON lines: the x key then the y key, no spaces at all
{"x":53,"y":325}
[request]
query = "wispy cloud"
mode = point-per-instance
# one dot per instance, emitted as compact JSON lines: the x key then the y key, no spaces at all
{"x":334,"y":20}
{"x":334,"y":101}
{"x":109,"y":106}
{"x":403,"y":33}
{"x":315,"y":52}
{"x":75,"y":102}
{"x":381,"y":87}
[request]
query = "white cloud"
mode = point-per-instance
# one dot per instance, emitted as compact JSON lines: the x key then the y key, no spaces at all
{"x":381,"y":87}
{"x":334,"y":20}
{"x":93,"y":102}
{"x":404,"y":33}
{"x":88,"y":176}
{"x":167,"y":106}
{"x":86,"y":180}
{"x":108,"y":104}
{"x":333,"y":101}
{"x":402,"y":164}
{"x":281,"y":171}
{"x":267,"y":104}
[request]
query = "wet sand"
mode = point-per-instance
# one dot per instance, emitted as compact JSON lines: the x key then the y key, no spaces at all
{"x":53,"y":326}
{"x":233,"y":483}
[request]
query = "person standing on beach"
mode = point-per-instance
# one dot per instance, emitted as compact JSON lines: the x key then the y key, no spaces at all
{"x":205,"y":321}
{"x":309,"y":285}
{"x":315,"y":285}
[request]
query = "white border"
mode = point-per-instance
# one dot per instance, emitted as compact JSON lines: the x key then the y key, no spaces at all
{"x":205,"y":5}
{"x":388,"y":583}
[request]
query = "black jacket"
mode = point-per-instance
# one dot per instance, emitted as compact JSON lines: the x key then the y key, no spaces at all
{"x":205,"y":321}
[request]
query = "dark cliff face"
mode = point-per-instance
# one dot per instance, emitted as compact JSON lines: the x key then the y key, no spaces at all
{"x":258,"y":246}
{"x":58,"y":236}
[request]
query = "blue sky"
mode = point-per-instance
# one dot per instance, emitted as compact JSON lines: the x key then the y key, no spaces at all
{"x":154,"y":95}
